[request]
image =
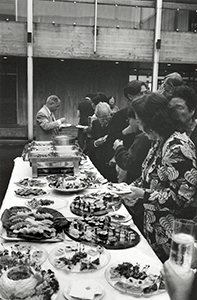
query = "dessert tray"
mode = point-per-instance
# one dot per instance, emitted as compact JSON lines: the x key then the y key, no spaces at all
{"x":119,"y":188}
{"x":55,"y":204}
{"x":135,"y":279}
{"x":68,"y":184}
{"x":78,"y":258}
{"x":30,"y":192}
{"x":23,"y":278}
{"x":30,"y":182}
{"x":95,"y":204}
{"x":22,"y":223}
{"x":88,"y":289}
{"x":101,"y":231}
{"x":36,"y":253}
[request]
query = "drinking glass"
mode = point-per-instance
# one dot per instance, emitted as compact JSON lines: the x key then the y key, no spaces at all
{"x":182,"y":246}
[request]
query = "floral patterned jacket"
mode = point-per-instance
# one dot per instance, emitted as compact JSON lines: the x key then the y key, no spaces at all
{"x":170,"y":174}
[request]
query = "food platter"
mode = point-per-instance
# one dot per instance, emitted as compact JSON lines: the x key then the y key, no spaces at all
{"x":88,"y":289}
{"x":34,"y":203}
{"x":30,"y":182}
{"x":20,"y":223}
{"x":27,"y":193}
{"x":135,"y":279}
{"x":21,"y":278}
{"x":68,"y":190}
{"x":95,"y":204}
{"x":73,"y":257}
{"x":68,"y":184}
{"x":119,"y":188}
{"x":34,"y":252}
{"x":101,"y":231}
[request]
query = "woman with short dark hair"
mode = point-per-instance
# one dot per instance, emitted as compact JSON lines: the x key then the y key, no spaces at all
{"x":167,"y":186}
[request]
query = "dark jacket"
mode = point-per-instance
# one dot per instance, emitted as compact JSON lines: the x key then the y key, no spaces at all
{"x":101,"y":155}
{"x":131,"y":160}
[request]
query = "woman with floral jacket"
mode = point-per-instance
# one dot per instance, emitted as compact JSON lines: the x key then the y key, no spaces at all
{"x":168,"y":183}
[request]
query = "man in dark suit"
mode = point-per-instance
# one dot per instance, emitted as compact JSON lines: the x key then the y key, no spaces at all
{"x":47,"y":126}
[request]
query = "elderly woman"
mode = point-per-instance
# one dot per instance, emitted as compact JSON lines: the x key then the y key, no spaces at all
{"x":184,"y":106}
{"x":167,"y":186}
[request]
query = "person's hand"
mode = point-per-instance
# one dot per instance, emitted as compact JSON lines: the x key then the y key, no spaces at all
{"x":100,"y":141}
{"x":86,"y":129}
{"x":137,"y":192}
{"x":179,"y":288}
{"x":117,"y":143}
{"x":127,"y":130}
{"x":62,"y":120}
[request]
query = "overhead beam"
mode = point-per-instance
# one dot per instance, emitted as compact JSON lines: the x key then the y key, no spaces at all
{"x":140,"y":3}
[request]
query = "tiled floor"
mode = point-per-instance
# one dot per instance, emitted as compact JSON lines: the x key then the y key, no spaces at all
{"x":8,"y":151}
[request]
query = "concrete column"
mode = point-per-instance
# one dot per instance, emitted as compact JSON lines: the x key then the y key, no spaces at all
{"x":95,"y":23}
{"x":30,"y":68}
{"x":157,"y":44}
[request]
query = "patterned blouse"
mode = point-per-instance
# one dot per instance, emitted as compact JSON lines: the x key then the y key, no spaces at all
{"x":170,"y":174}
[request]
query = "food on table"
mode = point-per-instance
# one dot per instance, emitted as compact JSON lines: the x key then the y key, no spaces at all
{"x":21,"y":277}
{"x":94,"y":180}
{"x":68,"y":183}
{"x":25,"y":280}
{"x":35,"y":203}
{"x":30,"y":192}
{"x":77,"y":257}
{"x":30,"y":182}
{"x":88,"y":289}
{"x":21,"y":222}
{"x":133,"y":279}
{"x":33,"y":252}
{"x":95,"y":204}
{"x":102,"y":231}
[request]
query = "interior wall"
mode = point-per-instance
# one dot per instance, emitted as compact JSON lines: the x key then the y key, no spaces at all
{"x":71,"y":80}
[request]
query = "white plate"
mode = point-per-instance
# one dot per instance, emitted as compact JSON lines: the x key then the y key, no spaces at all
{"x":81,"y":126}
{"x":64,"y":125}
{"x":87,"y":284}
{"x":120,"y":218}
{"x":68,"y":249}
{"x":133,"y":286}
{"x":119,"y":188}
{"x":58,"y":203}
{"x":37,"y":253}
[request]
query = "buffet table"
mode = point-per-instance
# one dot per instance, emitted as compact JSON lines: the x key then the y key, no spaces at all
{"x":141,"y":253}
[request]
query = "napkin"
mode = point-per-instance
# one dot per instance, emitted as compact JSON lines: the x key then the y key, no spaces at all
{"x":85,"y":289}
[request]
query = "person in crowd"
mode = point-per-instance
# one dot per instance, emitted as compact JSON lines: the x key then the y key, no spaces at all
{"x":167,"y":186}
{"x":47,"y":126}
{"x":184,"y":106}
{"x":179,"y":288}
{"x":99,"y":97}
{"x":112,"y":104}
{"x":131,"y":159}
{"x":98,"y":149}
{"x":85,"y":109}
{"x":119,"y":125}
{"x":171,"y":81}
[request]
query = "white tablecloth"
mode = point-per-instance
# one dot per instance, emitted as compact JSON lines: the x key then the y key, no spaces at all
{"x":141,"y":253}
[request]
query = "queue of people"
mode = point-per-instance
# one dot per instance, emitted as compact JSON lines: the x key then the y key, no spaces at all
{"x":151,"y":144}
